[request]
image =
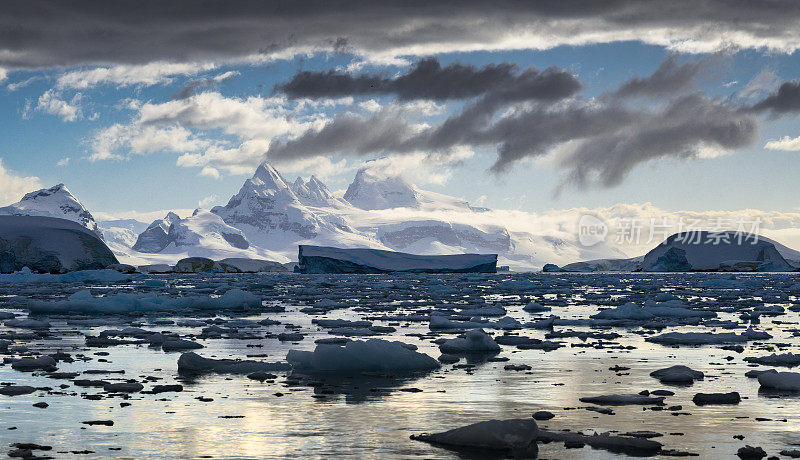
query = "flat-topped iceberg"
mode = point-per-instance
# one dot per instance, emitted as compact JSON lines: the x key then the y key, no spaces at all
{"x":325,"y":259}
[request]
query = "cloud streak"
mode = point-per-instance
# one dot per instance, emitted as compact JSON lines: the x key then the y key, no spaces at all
{"x":597,"y":142}
{"x":51,"y":33}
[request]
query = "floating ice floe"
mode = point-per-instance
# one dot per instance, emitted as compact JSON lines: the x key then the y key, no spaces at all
{"x":122,"y":303}
{"x":677,"y":374}
{"x":192,"y":363}
{"x":784,"y":359}
{"x":474,"y":341}
{"x":373,"y":355}
{"x":534,"y":307}
{"x":701,"y":338}
{"x":26,"y":276}
{"x":624,"y":400}
{"x":514,"y":435}
{"x":781,"y":381}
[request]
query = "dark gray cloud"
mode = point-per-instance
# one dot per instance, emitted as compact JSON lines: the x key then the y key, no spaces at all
{"x":669,"y":78}
{"x":682,"y":130}
{"x":48,"y":33}
{"x":785,"y":100}
{"x":427,"y":79}
{"x":600,"y":140}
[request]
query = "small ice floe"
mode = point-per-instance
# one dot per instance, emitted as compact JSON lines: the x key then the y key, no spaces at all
{"x":624,"y":399}
{"x":784,"y":359}
{"x":617,"y":444}
{"x":474,"y":341}
{"x":16,"y":390}
{"x":175,"y":344}
{"x":677,"y":375}
{"x":514,"y":436}
{"x":192,"y":363}
{"x":373,"y":355}
{"x":628,"y":311}
{"x":703,"y":399}
{"x":46,"y":363}
{"x":780,"y":381}
{"x":697,"y":338}
{"x":27,"y":323}
{"x":123,"y":387}
{"x":535,"y":307}
{"x":487,"y":310}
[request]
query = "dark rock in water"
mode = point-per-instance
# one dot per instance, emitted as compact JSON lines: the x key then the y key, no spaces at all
{"x":702,"y":399}
{"x":99,"y":422}
{"x":194,"y":265}
{"x":244,"y":265}
{"x":166,"y":388}
{"x":50,"y":245}
{"x":543,"y":415}
{"x":750,"y":452}
{"x":123,"y":268}
{"x":323,"y":259}
{"x":551,"y":268}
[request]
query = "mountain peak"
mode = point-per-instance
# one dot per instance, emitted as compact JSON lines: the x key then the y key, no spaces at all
{"x":266,"y":175}
{"x":56,"y":201}
{"x":314,"y":192}
{"x":373,"y":190}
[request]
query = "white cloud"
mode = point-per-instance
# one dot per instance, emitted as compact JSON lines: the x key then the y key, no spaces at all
{"x":420,"y":167}
{"x":22,"y":83}
{"x":3,"y":74}
{"x":13,"y":186}
{"x":785,"y":143}
{"x":208,"y":171}
{"x":207,"y":130}
{"x":764,"y":82}
{"x":51,"y":103}
{"x":149,"y":74}
{"x":207,"y":201}
{"x":63,"y":162}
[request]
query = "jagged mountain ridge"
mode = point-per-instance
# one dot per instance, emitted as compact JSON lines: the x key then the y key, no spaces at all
{"x":378,"y":211}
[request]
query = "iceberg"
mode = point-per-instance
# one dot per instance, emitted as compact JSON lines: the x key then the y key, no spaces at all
{"x":50,"y":245}
{"x":374,"y":355}
{"x":714,"y":251}
{"x":325,"y":259}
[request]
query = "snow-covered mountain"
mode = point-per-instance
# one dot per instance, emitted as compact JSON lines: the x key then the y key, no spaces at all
{"x":703,"y":251}
{"x":56,"y":201}
{"x":314,"y":193}
{"x":155,"y":237}
{"x":271,"y":216}
{"x":374,"y":189}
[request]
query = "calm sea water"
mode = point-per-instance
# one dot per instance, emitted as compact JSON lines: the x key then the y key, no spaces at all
{"x":372,"y":418}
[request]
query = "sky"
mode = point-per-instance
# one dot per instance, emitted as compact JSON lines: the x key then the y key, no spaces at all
{"x":147,"y":106}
